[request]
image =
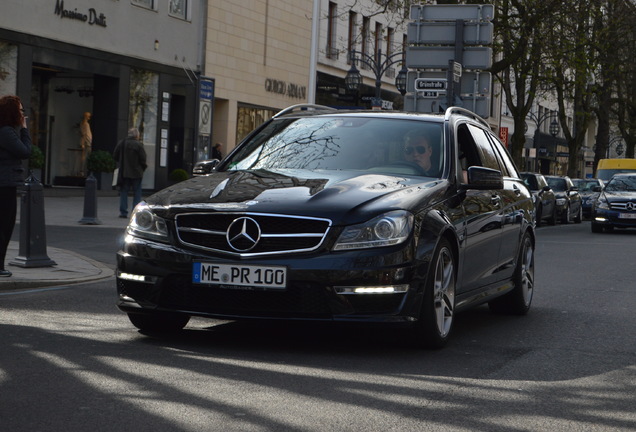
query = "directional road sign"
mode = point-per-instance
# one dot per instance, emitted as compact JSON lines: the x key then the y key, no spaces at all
{"x":430,"y":84}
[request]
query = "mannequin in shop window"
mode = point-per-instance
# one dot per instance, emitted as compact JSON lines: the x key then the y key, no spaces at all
{"x":86,"y":140}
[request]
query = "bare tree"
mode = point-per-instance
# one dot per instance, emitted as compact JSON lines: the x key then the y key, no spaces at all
{"x":519,"y":50}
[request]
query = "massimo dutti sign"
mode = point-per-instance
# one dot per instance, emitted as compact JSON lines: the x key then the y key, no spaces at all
{"x":90,"y":17}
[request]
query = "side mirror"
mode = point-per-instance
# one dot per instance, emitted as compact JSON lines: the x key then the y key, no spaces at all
{"x":546,"y":188}
{"x":482,"y":178}
{"x":204,"y":167}
{"x":597,"y":189}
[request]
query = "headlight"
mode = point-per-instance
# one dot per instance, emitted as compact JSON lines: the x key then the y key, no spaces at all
{"x":561,"y":201}
{"x":144,"y":223}
{"x":601,"y":203}
{"x":386,"y":230}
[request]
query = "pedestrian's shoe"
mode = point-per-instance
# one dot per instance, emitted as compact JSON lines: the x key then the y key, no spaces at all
{"x":5,"y":273}
{"x":123,"y":216}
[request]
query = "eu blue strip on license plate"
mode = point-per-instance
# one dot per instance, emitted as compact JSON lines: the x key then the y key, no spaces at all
{"x":274,"y":277}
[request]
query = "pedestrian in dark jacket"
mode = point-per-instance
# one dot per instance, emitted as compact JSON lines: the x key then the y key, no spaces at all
{"x":132,"y":163}
{"x":216,"y":151}
{"x":15,"y":145}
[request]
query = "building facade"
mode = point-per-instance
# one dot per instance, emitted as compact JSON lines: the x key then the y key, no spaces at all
{"x":258,"y":54}
{"x":118,"y":60}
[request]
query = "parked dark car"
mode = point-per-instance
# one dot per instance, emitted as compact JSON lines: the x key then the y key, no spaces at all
{"x":589,"y":190}
{"x":204,"y":167}
{"x":616,"y":204}
{"x":322,"y":215}
{"x":568,"y":200}
{"x":544,"y":197}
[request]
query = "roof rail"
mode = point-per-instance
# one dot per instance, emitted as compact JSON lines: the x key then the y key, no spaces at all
{"x":303,"y":107}
{"x":464,"y":112}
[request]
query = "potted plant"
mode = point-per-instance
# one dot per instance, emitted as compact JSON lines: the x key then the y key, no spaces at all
{"x":36,"y":162}
{"x":102,"y":164}
{"x":178,"y":175}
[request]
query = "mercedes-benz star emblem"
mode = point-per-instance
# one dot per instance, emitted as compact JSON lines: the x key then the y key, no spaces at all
{"x":243,"y":234}
{"x":631,"y":206}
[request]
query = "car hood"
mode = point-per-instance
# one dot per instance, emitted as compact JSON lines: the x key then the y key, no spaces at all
{"x":343,"y":196}
{"x":612,"y":196}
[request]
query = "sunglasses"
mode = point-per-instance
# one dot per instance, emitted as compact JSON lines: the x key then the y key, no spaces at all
{"x":420,"y":150}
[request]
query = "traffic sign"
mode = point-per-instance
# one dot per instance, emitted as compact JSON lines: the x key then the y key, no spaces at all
{"x":430,"y":84}
{"x":437,"y":57}
{"x":484,"y":12}
{"x":430,"y":94}
{"x":443,"y":33}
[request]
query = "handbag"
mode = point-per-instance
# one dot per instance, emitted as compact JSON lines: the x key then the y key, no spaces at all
{"x":116,"y":177}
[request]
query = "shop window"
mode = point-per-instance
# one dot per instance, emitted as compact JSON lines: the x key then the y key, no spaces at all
{"x":143,"y":115}
{"x":249,"y":118}
{"x":148,"y":4}
{"x":179,"y":9}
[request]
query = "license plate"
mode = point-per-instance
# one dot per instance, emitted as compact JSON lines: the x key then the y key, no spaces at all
{"x":627,"y":216}
{"x":231,"y":275}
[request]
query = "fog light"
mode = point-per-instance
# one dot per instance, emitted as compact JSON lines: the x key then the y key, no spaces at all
{"x":136,"y":278}
{"x":392,"y":289}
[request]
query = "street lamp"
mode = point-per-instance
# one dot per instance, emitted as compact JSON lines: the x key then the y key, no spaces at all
{"x":620,"y":148}
{"x":353,"y":80}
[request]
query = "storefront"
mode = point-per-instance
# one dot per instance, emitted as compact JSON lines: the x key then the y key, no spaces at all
{"x":62,"y":83}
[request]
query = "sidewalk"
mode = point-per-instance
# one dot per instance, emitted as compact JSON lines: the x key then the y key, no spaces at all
{"x":65,"y":207}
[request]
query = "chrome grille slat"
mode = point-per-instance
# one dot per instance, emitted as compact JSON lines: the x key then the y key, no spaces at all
{"x":280,"y":234}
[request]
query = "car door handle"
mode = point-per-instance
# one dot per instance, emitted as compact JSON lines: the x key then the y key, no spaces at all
{"x":495,"y":200}
{"x":517,"y":190}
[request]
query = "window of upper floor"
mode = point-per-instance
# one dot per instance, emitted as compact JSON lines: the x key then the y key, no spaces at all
{"x":148,"y":4}
{"x":179,"y":9}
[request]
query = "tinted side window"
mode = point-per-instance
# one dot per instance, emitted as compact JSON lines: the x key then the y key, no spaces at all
{"x":504,"y":157}
{"x":488,"y":157}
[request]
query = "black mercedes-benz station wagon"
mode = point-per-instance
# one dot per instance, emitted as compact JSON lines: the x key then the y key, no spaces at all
{"x":352,"y":216}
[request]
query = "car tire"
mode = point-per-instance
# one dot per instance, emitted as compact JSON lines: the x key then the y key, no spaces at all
{"x":158,"y":322}
{"x":579,"y":216}
{"x":518,"y":300}
{"x":437,"y":314}
{"x":596,"y":228}
{"x":565,"y":219}
{"x":538,"y":215}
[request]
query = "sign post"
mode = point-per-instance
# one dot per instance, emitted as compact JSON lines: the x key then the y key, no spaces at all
{"x":451,"y":43}
{"x":205,"y":111}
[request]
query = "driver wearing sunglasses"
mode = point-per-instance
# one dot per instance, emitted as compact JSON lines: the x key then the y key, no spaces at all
{"x":419,"y":151}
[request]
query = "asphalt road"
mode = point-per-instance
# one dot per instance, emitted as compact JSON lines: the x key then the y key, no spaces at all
{"x":70,"y":361}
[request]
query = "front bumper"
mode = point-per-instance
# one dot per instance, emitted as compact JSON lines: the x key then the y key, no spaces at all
{"x":613,"y":218}
{"x":158,"y":277}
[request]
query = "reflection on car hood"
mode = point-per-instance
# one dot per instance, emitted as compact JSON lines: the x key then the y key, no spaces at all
{"x":619,"y":195}
{"x":310,"y":193}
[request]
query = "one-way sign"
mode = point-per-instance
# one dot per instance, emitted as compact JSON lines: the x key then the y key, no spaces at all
{"x":430,"y":84}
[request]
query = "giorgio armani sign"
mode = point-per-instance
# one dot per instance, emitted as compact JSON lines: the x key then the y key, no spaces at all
{"x":89,"y":16}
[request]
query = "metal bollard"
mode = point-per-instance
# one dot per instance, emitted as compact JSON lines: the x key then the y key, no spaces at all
{"x":90,"y":202}
{"x":32,"y":252}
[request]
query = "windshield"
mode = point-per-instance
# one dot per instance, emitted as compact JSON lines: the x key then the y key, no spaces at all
{"x":380,"y":145}
{"x":558,"y":184}
{"x":586,"y":185}
{"x":622,"y":184}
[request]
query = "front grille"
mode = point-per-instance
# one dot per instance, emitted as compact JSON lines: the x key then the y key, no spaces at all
{"x":624,"y":206}
{"x":278,"y":233}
